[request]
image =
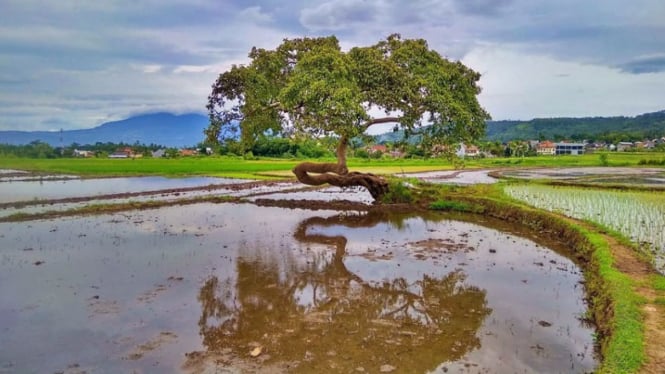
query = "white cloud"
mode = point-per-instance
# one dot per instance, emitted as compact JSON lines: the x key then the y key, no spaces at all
{"x":152,"y":68}
{"x":520,"y":86}
{"x":254,"y":14}
{"x":195,"y":69}
{"x":338,"y":14}
{"x":74,"y":63}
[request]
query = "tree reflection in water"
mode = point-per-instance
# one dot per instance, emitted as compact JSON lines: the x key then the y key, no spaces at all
{"x":321,"y":316}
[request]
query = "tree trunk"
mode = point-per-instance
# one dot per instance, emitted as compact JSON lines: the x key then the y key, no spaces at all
{"x":337,"y":174}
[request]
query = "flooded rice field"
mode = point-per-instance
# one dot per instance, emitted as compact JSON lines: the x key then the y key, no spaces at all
{"x":460,"y":177}
{"x":35,"y":196}
{"x":647,"y":177}
{"x":12,"y":190}
{"x":639,"y":216}
{"x":208,"y":288}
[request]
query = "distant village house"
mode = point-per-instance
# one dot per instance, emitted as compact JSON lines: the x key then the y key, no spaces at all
{"x":188,"y":152}
{"x":624,"y":146}
{"x":546,"y":148}
{"x":126,"y":152}
{"x":569,"y":148}
{"x":378,"y":148}
{"x":83,"y":153}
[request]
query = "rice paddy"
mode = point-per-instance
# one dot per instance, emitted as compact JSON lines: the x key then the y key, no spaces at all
{"x":639,"y":216}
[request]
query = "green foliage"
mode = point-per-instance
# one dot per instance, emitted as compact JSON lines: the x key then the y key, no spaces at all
{"x":604,"y":159}
{"x":309,"y":87}
{"x":361,"y":153}
{"x":455,"y":206}
{"x":35,"y":149}
{"x":607,"y":129}
{"x":376,"y":155}
{"x":171,"y":153}
{"x":38,"y":149}
{"x":656,"y":162}
{"x":399,"y":192}
{"x":659,"y":282}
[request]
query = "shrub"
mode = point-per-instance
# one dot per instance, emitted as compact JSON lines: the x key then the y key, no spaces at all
{"x":447,"y":205}
{"x":398,"y":192}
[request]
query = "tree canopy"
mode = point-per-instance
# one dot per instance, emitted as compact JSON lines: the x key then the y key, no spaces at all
{"x":310,"y":87}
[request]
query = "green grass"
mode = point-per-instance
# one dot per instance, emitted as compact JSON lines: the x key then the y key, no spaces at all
{"x":624,"y":352}
{"x":659,"y":282}
{"x":210,"y":166}
{"x":237,"y":167}
{"x":455,"y":206}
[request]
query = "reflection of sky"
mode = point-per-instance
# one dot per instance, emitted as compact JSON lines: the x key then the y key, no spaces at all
{"x":126,"y":261}
{"x":454,"y":176}
{"x":24,"y":191}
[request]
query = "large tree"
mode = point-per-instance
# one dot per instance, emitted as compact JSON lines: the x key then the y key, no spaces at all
{"x":311,"y":87}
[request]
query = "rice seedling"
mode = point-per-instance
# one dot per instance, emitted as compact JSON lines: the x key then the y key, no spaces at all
{"x":639,"y":216}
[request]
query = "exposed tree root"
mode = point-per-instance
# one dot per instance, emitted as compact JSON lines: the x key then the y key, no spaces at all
{"x":337,"y":174}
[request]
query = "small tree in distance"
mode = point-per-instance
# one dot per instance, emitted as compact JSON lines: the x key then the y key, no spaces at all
{"x":309,"y":87}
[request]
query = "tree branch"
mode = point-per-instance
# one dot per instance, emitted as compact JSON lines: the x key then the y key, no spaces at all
{"x":376,"y":121}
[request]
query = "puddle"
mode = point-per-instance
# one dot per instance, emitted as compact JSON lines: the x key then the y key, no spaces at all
{"x":354,"y":194}
{"x":61,"y":189}
{"x":463,"y":177}
{"x":242,"y":288}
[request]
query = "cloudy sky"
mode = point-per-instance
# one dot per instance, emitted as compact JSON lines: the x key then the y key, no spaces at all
{"x":76,"y":63}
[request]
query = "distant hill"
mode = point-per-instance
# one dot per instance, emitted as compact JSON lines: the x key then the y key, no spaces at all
{"x":165,"y":129}
{"x":172,"y":130}
{"x":649,"y":125}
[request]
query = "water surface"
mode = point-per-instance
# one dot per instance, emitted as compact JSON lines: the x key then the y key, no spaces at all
{"x":11,"y":191}
{"x":205,"y":287}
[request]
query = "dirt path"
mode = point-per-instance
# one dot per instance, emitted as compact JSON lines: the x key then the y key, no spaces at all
{"x":627,"y":262}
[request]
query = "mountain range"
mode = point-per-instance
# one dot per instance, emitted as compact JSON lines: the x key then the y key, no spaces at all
{"x":184,"y":130}
{"x":164,"y":129}
{"x":618,"y":128}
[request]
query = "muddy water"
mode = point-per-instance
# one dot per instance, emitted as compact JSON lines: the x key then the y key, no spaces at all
{"x":460,"y":177}
{"x":11,"y":191}
{"x":204,"y":288}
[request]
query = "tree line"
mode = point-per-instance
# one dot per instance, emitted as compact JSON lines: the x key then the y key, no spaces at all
{"x":598,"y":129}
{"x":39,"y":149}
